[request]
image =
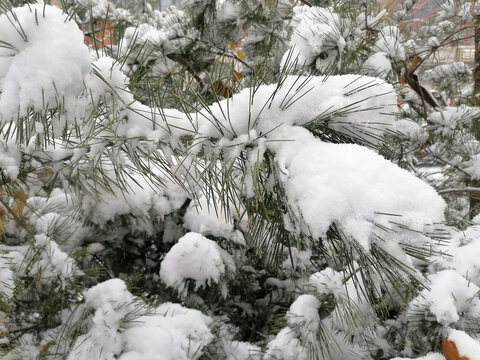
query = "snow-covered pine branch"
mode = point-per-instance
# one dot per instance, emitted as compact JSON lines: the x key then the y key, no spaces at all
{"x":265,"y":225}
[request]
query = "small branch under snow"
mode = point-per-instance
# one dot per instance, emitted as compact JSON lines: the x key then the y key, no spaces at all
{"x":471,"y":190}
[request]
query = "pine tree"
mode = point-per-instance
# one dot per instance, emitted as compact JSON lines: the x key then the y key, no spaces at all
{"x":210,"y":188}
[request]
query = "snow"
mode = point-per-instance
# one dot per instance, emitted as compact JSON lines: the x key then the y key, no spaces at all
{"x":56,"y":216}
{"x":315,"y":38}
{"x":411,"y":130}
{"x":472,"y":166}
{"x":28,"y":78}
{"x":355,"y":185}
{"x":227,"y":11}
{"x":296,"y":260}
{"x":101,"y":9}
{"x":28,"y":351}
{"x":451,"y":118}
{"x":328,"y":281}
{"x":389,"y":43}
{"x":351,"y":103}
{"x":448,"y":296}
{"x":107,"y":78}
{"x":171,"y":332}
{"x":123,"y":328}
{"x":463,"y":254}
{"x":193,"y":257}
{"x":341,"y":348}
{"x":108,"y":294}
{"x":377,"y":65}
{"x":285,"y":346}
{"x":429,"y":356}
{"x":348,"y":294}
{"x":138,"y":197}
{"x":466,"y":345}
{"x":450,"y":8}
{"x":303,"y":315}
{"x":7,"y":284}
{"x":348,"y":185}
{"x":239,"y":350}
{"x":52,"y":262}
{"x":476,"y":8}
{"x":208,"y":219}
{"x":448,"y":76}
{"x":111,"y":302}
{"x":10,"y":158}
{"x":359,"y":106}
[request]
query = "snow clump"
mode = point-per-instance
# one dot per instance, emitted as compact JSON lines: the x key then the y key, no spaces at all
{"x":449,"y":295}
{"x":316,"y":38}
{"x":123,"y":328}
{"x":48,"y":80}
{"x":377,"y":65}
{"x":196,"y":258}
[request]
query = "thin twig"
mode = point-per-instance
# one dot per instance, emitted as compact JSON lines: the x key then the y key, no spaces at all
{"x":469,"y":189}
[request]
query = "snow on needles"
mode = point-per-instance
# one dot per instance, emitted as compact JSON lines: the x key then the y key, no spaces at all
{"x":60,"y":60}
{"x":7,"y":283}
{"x":347,"y":184}
{"x":352,"y":185}
{"x":316,"y":38}
{"x":123,"y":328}
{"x":304,"y":311}
{"x":358,"y":106}
{"x":450,"y":295}
{"x":194,"y":257}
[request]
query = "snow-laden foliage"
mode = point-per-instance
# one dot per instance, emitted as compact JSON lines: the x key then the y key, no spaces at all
{"x":47,"y":82}
{"x":449,"y":78}
{"x":122,"y":327}
{"x":306,"y":47}
{"x":195,"y":258}
{"x":210,"y":188}
{"x":451,"y":119}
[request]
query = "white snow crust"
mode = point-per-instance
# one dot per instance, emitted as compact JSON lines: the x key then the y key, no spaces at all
{"x":377,"y":65}
{"x":122,"y":328}
{"x":304,"y":312}
{"x":43,"y":63}
{"x":316,"y":38}
{"x":449,"y":295}
{"x":194,"y":257}
{"x":355,"y":185}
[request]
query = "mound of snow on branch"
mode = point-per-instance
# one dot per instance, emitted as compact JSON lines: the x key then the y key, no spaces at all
{"x":196,"y":258}
{"x":316,"y":39}
{"x":360,"y":107}
{"x":449,"y":296}
{"x":353,"y":186}
{"x":123,"y":328}
{"x":42,"y":60}
{"x":326,"y":183}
